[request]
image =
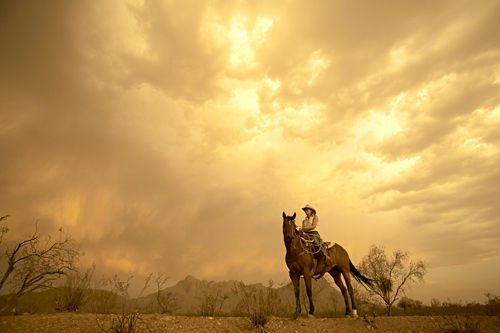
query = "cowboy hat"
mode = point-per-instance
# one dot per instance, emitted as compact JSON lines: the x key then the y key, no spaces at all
{"x":308,"y":207}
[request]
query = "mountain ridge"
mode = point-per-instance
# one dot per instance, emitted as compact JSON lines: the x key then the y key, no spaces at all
{"x":188,"y":296}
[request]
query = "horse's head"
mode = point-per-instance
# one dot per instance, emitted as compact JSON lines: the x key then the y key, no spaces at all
{"x":289,"y":228}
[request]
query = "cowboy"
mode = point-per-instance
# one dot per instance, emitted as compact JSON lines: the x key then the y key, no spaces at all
{"x":310,"y":226}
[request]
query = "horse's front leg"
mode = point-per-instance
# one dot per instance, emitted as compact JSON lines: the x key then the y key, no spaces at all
{"x":308,"y":282}
{"x":296,"y":287}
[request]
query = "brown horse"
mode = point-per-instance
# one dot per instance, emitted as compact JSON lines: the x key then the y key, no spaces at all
{"x":301,"y":262}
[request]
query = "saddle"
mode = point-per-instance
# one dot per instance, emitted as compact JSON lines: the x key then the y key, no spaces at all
{"x":309,"y":246}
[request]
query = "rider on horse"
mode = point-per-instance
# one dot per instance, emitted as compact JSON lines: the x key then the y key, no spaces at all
{"x":310,"y":226}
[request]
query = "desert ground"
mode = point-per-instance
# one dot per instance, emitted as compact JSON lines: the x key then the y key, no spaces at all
{"x":83,"y":322}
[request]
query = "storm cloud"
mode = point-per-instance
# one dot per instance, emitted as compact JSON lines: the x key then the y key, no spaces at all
{"x":170,"y":136}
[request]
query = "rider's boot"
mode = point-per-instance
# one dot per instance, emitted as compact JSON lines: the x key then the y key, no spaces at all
{"x":328,"y":264}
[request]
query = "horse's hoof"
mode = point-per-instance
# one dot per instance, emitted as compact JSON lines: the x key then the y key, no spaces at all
{"x":310,"y":315}
{"x":354,"y":313}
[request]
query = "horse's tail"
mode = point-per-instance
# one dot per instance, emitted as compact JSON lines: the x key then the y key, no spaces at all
{"x":360,"y":277}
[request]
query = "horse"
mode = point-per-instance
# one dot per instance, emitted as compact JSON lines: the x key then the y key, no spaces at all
{"x":301,"y":262}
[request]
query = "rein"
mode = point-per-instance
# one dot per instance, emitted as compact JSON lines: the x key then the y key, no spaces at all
{"x":306,"y":245}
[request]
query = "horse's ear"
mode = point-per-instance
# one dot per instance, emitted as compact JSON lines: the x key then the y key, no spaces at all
{"x":294,"y":215}
{"x":284,"y":215}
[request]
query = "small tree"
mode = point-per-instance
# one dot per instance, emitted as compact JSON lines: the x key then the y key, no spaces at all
{"x":391,"y":275}
{"x":76,"y":291}
{"x":33,"y":263}
{"x":212,"y":304}
{"x":167,"y":302}
{"x":407,"y":303}
{"x":435,"y":303}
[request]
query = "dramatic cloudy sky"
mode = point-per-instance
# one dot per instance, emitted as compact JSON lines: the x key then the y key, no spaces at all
{"x":170,"y":136}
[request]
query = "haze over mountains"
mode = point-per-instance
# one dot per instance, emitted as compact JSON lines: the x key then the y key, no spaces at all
{"x":189,"y":294}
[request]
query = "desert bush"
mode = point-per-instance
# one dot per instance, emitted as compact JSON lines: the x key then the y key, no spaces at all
{"x":407,"y":303}
{"x":459,"y":324}
{"x":125,"y":321}
{"x":257,"y":303}
{"x":370,"y":321}
{"x":451,"y":304}
{"x":492,"y":306}
{"x":212,"y":304}
{"x":450,"y":308}
{"x":435,"y":303}
{"x":271,"y":300}
{"x":76,"y":291}
{"x":259,"y":321}
{"x":167,"y":302}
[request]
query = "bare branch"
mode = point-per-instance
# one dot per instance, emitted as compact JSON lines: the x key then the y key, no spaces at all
{"x":33,"y":265}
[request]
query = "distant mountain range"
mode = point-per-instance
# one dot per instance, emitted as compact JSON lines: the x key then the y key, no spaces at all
{"x":191,"y":293}
{"x":192,"y":296}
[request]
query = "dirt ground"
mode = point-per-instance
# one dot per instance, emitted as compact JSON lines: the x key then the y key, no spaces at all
{"x":83,"y":322}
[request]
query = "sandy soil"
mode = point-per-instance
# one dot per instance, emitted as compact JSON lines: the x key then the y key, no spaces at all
{"x":76,"y":322}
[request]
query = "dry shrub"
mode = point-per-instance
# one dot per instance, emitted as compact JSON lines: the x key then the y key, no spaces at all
{"x":257,"y":303}
{"x":459,"y":324}
{"x":165,"y":300}
{"x":492,"y":305}
{"x":212,"y":304}
{"x":76,"y":291}
{"x":259,"y":321}
{"x":370,"y":321}
{"x":125,"y":321}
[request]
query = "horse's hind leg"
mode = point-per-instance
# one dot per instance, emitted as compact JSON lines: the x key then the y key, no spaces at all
{"x":347,"y":278}
{"x":335,"y":273}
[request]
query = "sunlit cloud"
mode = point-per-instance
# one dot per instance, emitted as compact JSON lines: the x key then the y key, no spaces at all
{"x":306,"y":72}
